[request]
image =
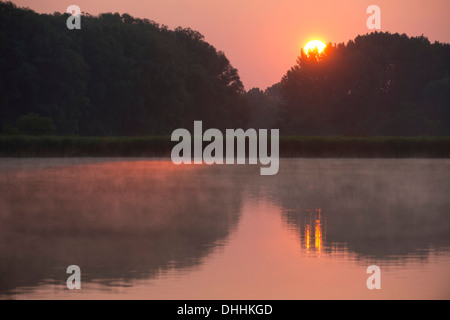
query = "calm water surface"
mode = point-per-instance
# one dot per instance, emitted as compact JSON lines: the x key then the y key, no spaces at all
{"x":147,"y":229}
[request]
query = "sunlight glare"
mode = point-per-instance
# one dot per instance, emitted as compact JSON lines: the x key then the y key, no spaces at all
{"x":315,"y":44}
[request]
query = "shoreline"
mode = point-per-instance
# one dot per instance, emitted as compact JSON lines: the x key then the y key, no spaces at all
{"x":161,"y":146}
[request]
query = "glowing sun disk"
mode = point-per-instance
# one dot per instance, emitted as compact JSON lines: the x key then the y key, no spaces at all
{"x":315,"y":44}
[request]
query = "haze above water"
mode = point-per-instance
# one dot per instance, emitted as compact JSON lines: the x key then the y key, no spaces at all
{"x":148,"y":229}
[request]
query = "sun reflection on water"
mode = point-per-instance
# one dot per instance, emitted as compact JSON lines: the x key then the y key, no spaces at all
{"x":313,"y":221}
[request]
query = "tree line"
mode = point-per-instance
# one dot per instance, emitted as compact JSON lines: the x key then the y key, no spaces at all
{"x":378,"y":84}
{"x":121,"y":75}
{"x":118,"y":75}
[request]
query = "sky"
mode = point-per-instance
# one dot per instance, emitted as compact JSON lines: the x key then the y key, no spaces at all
{"x":262,"y":38}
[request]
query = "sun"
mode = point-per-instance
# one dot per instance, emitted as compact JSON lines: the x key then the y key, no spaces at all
{"x":315,"y":44}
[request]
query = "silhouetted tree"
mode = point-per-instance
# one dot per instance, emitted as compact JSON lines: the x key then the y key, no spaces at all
{"x":264,"y":107}
{"x":34,"y":124}
{"x":378,"y":84}
{"x":118,"y":75}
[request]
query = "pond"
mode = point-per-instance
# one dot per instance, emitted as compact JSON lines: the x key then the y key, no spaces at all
{"x":148,"y":229}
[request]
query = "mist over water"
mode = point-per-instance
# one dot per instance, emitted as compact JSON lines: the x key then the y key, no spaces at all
{"x":150,"y":229}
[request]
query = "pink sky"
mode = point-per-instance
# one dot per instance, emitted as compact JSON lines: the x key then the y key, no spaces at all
{"x":262,"y":38}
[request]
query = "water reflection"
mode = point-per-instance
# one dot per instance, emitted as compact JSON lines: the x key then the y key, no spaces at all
{"x":223,"y":229}
{"x":312,"y":232}
{"x":383,"y":210}
{"x":119,"y":221}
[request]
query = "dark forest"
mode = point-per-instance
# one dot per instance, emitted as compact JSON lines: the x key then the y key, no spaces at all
{"x":123,"y":76}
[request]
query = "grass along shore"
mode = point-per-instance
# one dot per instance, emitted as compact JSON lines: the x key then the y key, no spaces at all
{"x":161,"y":146}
